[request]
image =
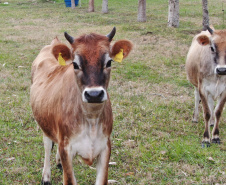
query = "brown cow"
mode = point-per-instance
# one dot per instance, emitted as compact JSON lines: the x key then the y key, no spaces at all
{"x":206,"y":70}
{"x":71,"y":103}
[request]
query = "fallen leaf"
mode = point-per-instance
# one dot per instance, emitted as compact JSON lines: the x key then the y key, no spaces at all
{"x":112,"y":163}
{"x":129,"y":143}
{"x":10,"y":159}
{"x":129,"y":173}
{"x":210,"y":159}
{"x":118,"y":139}
{"x":92,"y":168}
{"x":112,"y":181}
{"x":184,"y":173}
{"x":163,"y":152}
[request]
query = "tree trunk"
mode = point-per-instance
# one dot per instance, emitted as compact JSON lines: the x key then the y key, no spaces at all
{"x":205,"y":13}
{"x":91,"y":6}
{"x":173,"y":16}
{"x":105,"y":6}
{"x":141,"y":16}
{"x":73,"y":4}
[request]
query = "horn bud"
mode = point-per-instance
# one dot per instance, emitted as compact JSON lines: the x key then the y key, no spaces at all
{"x":111,"y":34}
{"x":69,"y":38}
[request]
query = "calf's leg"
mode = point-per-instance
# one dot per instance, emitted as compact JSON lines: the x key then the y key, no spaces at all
{"x":66,"y":161}
{"x":211,"y":109}
{"x":102,"y":165}
{"x":46,"y":174}
{"x":207,"y":115}
{"x":218,"y":111}
{"x":196,"y":111}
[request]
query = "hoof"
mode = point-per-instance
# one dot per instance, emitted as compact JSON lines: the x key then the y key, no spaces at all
{"x":59,"y":166}
{"x":194,"y":121}
{"x":217,"y":141}
{"x":205,"y":144}
{"x":46,"y":183}
{"x":212,"y":125}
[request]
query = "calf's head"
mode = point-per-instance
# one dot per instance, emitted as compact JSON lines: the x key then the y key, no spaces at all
{"x":217,"y":43}
{"x":92,"y":56}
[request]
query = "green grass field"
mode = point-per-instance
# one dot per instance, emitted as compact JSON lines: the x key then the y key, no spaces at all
{"x":153,"y":139}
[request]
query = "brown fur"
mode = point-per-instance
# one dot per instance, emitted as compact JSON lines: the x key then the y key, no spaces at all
{"x":91,"y":46}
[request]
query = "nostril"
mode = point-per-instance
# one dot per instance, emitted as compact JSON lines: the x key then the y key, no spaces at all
{"x":87,"y":95}
{"x":101,"y":94}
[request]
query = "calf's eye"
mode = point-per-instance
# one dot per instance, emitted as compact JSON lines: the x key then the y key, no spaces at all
{"x":109,"y":63}
{"x":212,"y":49}
{"x":75,"y":65}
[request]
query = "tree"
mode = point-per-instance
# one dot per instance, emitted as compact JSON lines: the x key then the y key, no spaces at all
{"x":91,"y":6}
{"x":141,"y":16}
{"x":205,"y":13}
{"x":173,"y":16}
{"x":105,"y":6}
{"x":73,"y":4}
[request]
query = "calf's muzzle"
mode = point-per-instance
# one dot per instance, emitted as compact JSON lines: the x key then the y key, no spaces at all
{"x":221,"y":70}
{"x":94,"y":95}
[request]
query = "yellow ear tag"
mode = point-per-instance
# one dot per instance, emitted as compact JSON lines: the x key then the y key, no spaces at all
{"x":119,"y":56}
{"x":61,"y":60}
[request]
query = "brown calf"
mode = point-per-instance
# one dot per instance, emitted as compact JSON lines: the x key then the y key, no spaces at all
{"x":71,"y":103}
{"x":206,"y":70}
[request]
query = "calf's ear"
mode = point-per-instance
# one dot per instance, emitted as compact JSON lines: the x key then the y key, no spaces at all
{"x":203,"y":40}
{"x":64,"y":50}
{"x":55,"y":41}
{"x":121,"y":45}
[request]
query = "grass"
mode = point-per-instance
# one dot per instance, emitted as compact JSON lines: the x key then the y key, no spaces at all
{"x":153,"y":140}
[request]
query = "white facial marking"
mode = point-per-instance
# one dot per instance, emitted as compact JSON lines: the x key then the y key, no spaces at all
{"x":212,"y":45}
{"x":107,"y":58}
{"x":77,"y":60}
